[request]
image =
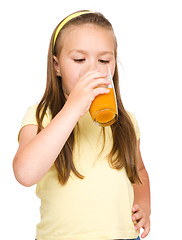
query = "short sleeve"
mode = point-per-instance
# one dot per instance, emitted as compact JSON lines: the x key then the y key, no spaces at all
{"x":135,"y":124}
{"x":30,"y":118}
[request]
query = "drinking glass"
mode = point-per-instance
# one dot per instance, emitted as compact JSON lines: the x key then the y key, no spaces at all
{"x":104,"y":110}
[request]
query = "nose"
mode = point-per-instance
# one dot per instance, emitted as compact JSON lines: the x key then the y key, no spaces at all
{"x":92,"y":65}
{"x":88,"y":67}
{"x":96,"y":65}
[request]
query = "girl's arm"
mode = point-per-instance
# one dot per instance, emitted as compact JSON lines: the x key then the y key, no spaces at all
{"x":37,"y":152}
{"x":142,"y":206}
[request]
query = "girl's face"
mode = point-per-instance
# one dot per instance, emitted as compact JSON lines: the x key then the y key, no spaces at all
{"x":85,"y":46}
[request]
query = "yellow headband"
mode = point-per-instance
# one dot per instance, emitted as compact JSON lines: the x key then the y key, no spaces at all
{"x":61,"y":25}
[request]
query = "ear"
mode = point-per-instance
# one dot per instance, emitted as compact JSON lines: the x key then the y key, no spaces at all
{"x":56,"y":66}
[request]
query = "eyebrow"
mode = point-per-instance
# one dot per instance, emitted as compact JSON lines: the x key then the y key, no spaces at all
{"x":85,"y":52}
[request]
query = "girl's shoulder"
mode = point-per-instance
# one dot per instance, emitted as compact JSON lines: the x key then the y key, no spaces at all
{"x":132,"y":117}
{"x":30,"y":116}
{"x":135,"y":124}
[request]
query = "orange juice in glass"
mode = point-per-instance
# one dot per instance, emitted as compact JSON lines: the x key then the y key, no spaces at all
{"x":103,"y":109}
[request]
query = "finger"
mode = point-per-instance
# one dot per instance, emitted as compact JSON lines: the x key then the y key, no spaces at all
{"x":93,"y":75}
{"x":146,"y":231}
{"x":140,"y":224}
{"x":135,"y":208}
{"x":101,"y":90}
{"x":137,"y":215}
{"x":83,"y":75}
{"x":98,"y":82}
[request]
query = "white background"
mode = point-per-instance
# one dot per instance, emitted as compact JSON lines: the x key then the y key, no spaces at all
{"x":150,"y":49}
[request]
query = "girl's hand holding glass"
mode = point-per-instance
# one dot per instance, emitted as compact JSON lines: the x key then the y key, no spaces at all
{"x":90,"y":85}
{"x":98,"y":93}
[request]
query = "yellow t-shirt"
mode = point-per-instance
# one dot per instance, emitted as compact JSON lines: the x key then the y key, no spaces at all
{"x":96,"y":207}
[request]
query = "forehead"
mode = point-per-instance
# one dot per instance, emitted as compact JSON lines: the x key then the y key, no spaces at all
{"x":88,"y":37}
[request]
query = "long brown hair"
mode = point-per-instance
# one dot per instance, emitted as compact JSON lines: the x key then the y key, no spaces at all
{"x":124,"y":149}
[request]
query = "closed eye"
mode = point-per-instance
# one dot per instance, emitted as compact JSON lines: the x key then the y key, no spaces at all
{"x":104,"y":61}
{"x":79,"y":60}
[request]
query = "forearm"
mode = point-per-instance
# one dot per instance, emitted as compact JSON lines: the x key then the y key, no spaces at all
{"x":34,"y":160}
{"x":142,"y":191}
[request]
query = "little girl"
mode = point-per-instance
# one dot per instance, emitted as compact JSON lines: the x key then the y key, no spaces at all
{"x":91,"y":180}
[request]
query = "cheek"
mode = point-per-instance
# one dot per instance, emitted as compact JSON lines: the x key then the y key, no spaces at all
{"x":70,"y":77}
